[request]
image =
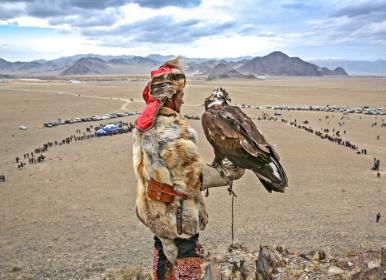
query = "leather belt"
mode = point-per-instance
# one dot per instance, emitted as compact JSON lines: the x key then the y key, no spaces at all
{"x":162,"y":192}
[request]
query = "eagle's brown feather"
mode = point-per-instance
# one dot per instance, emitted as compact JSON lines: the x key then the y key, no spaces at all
{"x":234,"y":136}
{"x":224,"y":136}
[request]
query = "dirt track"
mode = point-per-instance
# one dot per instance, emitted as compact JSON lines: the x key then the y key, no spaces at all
{"x":74,"y":213}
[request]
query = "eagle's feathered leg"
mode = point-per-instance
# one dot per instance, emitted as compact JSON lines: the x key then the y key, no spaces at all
{"x":217,"y":159}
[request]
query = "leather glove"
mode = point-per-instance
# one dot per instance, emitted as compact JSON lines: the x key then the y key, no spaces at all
{"x":220,"y":175}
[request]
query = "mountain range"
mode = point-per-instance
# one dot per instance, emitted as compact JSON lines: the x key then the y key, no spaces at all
{"x":356,"y":67}
{"x":274,"y":64}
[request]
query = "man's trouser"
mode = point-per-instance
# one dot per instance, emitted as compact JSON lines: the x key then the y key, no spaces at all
{"x":188,"y":263}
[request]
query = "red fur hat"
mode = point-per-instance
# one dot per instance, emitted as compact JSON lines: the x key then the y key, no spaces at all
{"x":165,"y":81}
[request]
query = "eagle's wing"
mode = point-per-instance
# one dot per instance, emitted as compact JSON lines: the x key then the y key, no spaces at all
{"x":232,"y":129}
{"x":248,"y":127}
{"x":216,"y":132}
{"x":240,"y":136}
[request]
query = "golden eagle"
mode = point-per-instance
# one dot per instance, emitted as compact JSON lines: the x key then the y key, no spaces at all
{"x":234,"y":136}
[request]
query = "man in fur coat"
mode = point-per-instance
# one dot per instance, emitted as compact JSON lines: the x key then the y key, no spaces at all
{"x":171,"y":176}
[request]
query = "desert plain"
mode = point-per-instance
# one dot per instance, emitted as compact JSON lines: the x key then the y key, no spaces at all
{"x":73,"y":214}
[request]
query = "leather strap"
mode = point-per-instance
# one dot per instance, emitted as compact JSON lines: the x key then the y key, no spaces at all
{"x":162,"y":192}
{"x":180,"y":209}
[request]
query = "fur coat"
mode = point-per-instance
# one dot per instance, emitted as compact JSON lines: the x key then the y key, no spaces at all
{"x":167,"y":153}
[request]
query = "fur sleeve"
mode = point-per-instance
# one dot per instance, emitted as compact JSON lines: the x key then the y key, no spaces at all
{"x":182,"y":159}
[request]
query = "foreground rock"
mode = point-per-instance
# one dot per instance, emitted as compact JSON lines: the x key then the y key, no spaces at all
{"x":267,"y":263}
{"x":277,"y":262}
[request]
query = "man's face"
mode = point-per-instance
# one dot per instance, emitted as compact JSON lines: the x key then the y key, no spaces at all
{"x":179,"y":100}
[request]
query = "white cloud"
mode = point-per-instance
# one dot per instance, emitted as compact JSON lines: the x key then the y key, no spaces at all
{"x":26,"y":21}
{"x":32,"y":22}
{"x":378,"y":27}
{"x":214,"y":28}
{"x":208,"y":12}
{"x":51,"y":47}
{"x":133,"y":13}
{"x":231,"y":46}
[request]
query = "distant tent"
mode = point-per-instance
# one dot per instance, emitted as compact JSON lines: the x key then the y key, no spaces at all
{"x":100,"y":132}
{"x":107,"y":129}
{"x":111,"y":127}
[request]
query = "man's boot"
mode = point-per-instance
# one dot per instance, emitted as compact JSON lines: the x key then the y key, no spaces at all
{"x":188,"y":268}
{"x":189,"y":259}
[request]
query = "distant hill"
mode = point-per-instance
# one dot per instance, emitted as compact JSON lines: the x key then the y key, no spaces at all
{"x":18,"y":66}
{"x":91,"y":64}
{"x":280,"y":64}
{"x":159,"y":58}
{"x":133,"y":60}
{"x":355,"y":67}
{"x":5,"y":76}
{"x":226,"y":71}
{"x":87,"y":66}
{"x":5,"y":66}
{"x":275,"y":64}
{"x":338,"y":71}
{"x":202,"y":68}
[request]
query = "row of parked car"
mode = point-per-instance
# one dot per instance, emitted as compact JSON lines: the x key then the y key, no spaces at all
{"x":88,"y":119}
{"x":368,"y":110}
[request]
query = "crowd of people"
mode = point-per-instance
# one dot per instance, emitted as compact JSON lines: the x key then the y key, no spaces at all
{"x":32,"y":158}
{"x":333,"y":135}
{"x":37,"y":156}
{"x":323,"y":133}
{"x":191,"y":117}
{"x":383,"y":123}
{"x":365,"y":110}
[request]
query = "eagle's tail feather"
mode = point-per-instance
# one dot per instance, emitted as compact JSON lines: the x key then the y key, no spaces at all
{"x":272,"y":176}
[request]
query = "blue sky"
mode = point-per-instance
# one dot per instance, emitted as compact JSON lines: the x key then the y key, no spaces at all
{"x":48,"y":29}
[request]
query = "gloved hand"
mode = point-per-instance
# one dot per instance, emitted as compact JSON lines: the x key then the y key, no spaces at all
{"x":221,"y":175}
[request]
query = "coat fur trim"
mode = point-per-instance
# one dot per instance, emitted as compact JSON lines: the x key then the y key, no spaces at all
{"x":167,"y":152}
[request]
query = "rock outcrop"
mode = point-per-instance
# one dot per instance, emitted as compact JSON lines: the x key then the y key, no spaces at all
{"x":278,"y":262}
{"x":267,"y":263}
